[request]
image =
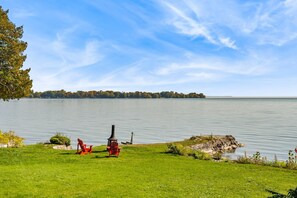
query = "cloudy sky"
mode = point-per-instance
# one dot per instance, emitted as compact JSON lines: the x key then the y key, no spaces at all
{"x":218,"y":47}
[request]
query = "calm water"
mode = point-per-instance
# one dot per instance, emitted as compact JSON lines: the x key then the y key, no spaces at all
{"x":265,"y":125}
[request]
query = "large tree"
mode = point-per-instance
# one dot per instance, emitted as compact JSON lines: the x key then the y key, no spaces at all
{"x":15,"y":82}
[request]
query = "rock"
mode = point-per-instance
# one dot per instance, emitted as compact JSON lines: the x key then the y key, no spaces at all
{"x":3,"y":145}
{"x":62,"y":147}
{"x":8,"y":145}
{"x":215,"y":144}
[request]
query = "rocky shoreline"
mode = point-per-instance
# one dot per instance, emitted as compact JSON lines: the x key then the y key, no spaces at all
{"x":215,"y":144}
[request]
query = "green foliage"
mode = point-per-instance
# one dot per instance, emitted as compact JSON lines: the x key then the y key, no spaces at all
{"x":217,"y":156}
{"x":257,"y":159}
{"x":292,"y":193}
{"x":257,"y":156}
{"x":10,"y":139}
{"x":201,"y":155}
{"x":113,"y":94}
{"x":60,"y":139}
{"x":14,"y":82}
{"x":179,"y":149}
{"x":175,"y":148}
{"x":186,"y":151}
{"x":172,"y":148}
{"x":291,"y":162}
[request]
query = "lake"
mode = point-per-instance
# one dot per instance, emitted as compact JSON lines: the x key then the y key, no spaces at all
{"x":267,"y":125}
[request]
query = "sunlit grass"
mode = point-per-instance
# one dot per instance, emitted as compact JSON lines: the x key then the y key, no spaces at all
{"x":140,"y":171}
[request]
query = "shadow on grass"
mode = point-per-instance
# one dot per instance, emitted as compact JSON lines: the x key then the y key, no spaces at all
{"x":275,"y":194}
{"x":74,"y":152}
{"x":67,"y":153}
{"x":165,"y":152}
{"x":105,"y":156}
{"x":103,"y":151}
{"x":292,"y":193}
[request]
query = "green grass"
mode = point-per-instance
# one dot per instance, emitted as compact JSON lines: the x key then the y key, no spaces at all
{"x":140,"y":171}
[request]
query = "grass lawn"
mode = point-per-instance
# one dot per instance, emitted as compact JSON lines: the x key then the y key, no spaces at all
{"x":140,"y":171}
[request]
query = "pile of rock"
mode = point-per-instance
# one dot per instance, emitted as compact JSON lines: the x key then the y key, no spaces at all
{"x":3,"y":145}
{"x":8,"y":145}
{"x":216,"y":144}
{"x":62,"y":147}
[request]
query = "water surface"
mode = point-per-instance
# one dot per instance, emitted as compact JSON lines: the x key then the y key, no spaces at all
{"x":265,"y":125}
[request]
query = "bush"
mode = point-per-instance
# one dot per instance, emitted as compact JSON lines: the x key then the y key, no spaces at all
{"x":60,"y":139}
{"x":257,"y":159}
{"x":10,"y":139}
{"x":201,"y":155}
{"x":174,"y":148}
{"x":217,"y":156}
{"x":186,"y":151}
{"x":179,"y":149}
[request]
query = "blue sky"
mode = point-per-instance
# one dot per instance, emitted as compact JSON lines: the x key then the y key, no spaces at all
{"x":218,"y":47}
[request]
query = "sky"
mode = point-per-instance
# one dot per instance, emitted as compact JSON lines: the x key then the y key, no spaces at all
{"x":217,"y":47}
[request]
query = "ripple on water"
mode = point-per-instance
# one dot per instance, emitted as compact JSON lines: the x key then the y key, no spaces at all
{"x":265,"y":125}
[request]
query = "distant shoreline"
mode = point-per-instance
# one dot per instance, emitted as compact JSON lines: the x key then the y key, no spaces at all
{"x":251,"y":97}
{"x":210,"y":98}
{"x":113,"y":94}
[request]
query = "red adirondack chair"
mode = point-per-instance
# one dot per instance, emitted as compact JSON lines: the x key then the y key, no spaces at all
{"x":114,"y":149}
{"x":84,"y":150}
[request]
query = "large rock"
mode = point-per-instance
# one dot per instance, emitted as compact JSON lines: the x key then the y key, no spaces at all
{"x":9,"y":145}
{"x":3,"y":145}
{"x":216,"y":144}
{"x":62,"y":147}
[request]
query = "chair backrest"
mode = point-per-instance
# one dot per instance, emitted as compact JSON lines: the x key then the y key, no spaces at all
{"x":81,"y":144}
{"x":114,"y":144}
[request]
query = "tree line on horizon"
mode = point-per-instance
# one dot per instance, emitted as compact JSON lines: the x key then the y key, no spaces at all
{"x":113,"y":94}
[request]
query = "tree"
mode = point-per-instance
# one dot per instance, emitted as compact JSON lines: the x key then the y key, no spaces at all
{"x":14,"y":81}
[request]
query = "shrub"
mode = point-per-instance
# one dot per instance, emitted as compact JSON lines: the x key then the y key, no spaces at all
{"x":257,"y":159}
{"x":291,"y":162}
{"x":186,"y":151}
{"x":292,"y":193}
{"x":217,"y":156}
{"x":10,"y":139}
{"x":243,"y":160}
{"x":60,"y":139}
{"x":201,"y":155}
{"x":179,"y":149}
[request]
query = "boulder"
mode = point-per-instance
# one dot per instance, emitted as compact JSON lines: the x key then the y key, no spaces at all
{"x":3,"y":145}
{"x":216,"y":144}
{"x":62,"y":147}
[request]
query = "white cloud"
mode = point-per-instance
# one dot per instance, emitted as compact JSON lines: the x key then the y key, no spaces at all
{"x":188,"y":22}
{"x":252,"y":65}
{"x":195,"y":69}
{"x":262,"y":22}
{"x":291,"y":6}
{"x":187,"y":25}
{"x":54,"y":61}
{"x":226,"y":41}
